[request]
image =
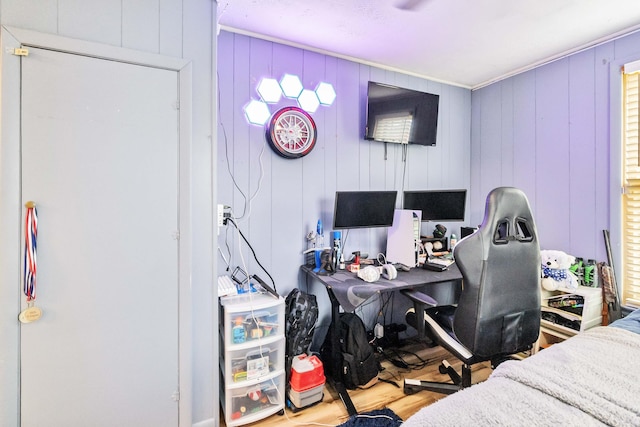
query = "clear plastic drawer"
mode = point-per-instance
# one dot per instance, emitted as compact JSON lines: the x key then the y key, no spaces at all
{"x":255,"y":362}
{"x":248,"y":404}
{"x":251,"y":318}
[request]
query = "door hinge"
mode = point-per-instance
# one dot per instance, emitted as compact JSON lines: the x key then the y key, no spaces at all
{"x":21,"y":51}
{"x":176,"y":235}
{"x":175,"y":396}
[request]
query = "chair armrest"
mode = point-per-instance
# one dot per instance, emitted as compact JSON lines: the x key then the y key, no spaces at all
{"x":420,"y":297}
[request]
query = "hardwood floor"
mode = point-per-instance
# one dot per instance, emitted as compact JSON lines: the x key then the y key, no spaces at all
{"x":331,"y":411}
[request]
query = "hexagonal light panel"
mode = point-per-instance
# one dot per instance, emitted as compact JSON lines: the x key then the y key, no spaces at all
{"x":326,"y":93}
{"x":269,"y":90}
{"x":291,"y":85}
{"x":308,"y":101}
{"x":257,"y":112}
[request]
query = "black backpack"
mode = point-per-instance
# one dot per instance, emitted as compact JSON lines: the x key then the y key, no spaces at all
{"x":301,"y":314}
{"x":359,"y":365}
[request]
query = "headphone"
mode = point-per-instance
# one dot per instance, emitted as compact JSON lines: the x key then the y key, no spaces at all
{"x":388,"y":271}
{"x":369,"y":274}
{"x":440,"y":231}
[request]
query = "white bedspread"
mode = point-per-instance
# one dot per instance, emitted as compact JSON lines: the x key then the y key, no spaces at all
{"x":591,"y":379}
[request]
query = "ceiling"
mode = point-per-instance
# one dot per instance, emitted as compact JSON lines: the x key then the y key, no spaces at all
{"x":468,"y":43}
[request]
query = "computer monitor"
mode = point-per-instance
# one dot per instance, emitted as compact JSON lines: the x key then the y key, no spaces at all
{"x":364,"y":209}
{"x":437,"y":205}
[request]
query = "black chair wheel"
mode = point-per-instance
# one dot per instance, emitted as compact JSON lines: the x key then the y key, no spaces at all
{"x":442,"y":369}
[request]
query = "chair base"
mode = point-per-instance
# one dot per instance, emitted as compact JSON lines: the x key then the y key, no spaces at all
{"x":413,"y":386}
{"x":458,"y":383}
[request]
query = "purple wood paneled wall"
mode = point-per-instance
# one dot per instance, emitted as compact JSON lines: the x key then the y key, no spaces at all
{"x":291,"y":195}
{"x":549,"y":132}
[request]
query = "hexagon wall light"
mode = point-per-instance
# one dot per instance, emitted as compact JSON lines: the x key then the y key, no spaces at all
{"x":308,"y":101}
{"x":257,"y":112}
{"x":269,"y":90}
{"x":291,"y":85}
{"x":326,"y":94}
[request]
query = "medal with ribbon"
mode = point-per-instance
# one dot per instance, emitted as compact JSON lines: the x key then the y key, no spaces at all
{"x":31,"y":313}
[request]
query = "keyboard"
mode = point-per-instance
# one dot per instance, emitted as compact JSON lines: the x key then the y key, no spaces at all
{"x":434,"y":266}
{"x":226,"y":286}
{"x":442,"y":261}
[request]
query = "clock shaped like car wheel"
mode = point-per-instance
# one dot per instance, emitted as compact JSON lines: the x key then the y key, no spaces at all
{"x":291,"y":132}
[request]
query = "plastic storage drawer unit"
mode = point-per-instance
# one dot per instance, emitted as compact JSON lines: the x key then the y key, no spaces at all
{"x":252,"y":357}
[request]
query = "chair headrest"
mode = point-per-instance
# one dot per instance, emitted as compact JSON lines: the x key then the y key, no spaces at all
{"x":508,"y":216}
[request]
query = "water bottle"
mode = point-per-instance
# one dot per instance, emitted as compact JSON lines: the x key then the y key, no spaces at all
{"x":337,"y":248}
{"x":319,"y":235}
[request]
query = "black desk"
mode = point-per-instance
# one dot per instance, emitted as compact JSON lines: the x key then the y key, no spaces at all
{"x":346,"y":290}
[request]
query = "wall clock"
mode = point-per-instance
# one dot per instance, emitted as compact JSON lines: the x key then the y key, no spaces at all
{"x":291,"y":132}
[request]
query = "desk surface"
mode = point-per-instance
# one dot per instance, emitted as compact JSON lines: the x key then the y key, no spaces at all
{"x":350,"y":291}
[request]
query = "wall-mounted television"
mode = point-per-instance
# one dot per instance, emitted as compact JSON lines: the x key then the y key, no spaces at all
{"x":402,"y":116}
{"x":364,"y":209}
{"x":437,"y":205}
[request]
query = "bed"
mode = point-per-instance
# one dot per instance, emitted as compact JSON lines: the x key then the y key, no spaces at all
{"x":589,"y":380}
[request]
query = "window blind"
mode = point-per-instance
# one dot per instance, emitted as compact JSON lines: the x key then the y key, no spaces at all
{"x":630,"y":286}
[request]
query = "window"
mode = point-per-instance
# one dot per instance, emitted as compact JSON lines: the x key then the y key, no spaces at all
{"x":630,"y":283}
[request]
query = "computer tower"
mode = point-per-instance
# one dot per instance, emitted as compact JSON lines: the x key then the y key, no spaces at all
{"x":466,"y":231}
{"x":403,"y":237}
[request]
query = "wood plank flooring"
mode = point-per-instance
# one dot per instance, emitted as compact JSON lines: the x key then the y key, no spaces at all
{"x":331,"y":411}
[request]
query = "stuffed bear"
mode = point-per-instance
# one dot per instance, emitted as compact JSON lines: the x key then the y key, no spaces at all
{"x":555,"y":270}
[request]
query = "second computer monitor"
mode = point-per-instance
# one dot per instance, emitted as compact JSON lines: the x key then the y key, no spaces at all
{"x":364,"y":209}
{"x":437,"y":205}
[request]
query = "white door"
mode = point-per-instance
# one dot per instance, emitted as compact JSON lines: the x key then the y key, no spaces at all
{"x":100,"y":145}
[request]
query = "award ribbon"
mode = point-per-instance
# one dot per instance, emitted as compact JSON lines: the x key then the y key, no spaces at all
{"x":31,"y":313}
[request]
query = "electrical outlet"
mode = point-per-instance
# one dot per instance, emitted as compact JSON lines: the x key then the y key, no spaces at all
{"x":220,"y":215}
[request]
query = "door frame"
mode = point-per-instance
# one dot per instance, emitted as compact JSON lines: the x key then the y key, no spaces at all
{"x":11,"y":208}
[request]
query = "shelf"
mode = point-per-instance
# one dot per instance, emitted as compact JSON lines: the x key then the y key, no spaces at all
{"x":582,"y":318}
{"x":557,"y":330}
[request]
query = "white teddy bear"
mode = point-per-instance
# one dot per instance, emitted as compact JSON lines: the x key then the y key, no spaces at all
{"x":555,"y":270}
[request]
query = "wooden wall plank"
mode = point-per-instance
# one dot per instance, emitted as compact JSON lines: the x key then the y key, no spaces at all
{"x":170,"y":28}
{"x":491,"y":156}
{"x":524,"y":135}
{"x":552,"y":152}
{"x":506,"y":131}
{"x":40,"y":15}
{"x":258,"y":161}
{"x":141,"y":25}
{"x":477,"y":196}
{"x":582,"y":159}
{"x":603,"y":57}
{"x":83,"y":20}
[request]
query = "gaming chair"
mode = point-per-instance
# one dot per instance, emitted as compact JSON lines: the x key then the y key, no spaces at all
{"x":498,"y":312}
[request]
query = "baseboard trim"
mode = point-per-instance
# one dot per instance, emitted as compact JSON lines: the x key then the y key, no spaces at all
{"x":206,"y":423}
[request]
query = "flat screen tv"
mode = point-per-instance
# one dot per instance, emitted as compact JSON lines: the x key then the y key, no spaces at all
{"x":402,"y":116}
{"x":437,"y":205}
{"x":364,"y":209}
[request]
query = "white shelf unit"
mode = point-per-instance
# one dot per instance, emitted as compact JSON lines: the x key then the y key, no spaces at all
{"x":588,"y":316}
{"x":252,"y":346}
